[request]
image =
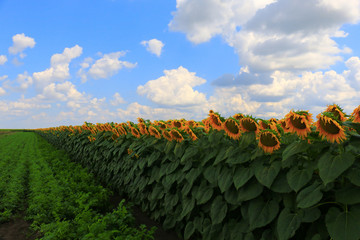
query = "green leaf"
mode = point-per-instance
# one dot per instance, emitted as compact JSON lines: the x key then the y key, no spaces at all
{"x":310,"y":215}
{"x":193,"y":174}
{"x":297,"y":178}
{"x":261,"y":213}
{"x":169,"y":222}
{"x":179,"y":150}
{"x":189,"y":230}
{"x":267,"y":174}
{"x":187,"y":206}
{"x":294,"y":148}
{"x":171,"y":167}
{"x":225,"y":179}
{"x":288,"y":223}
{"x":189,"y":153}
{"x":250,"y":191}
{"x":241,"y":157}
{"x":210,"y":174}
{"x":218,"y":210}
{"x":343,"y":225}
{"x":280,"y":184}
{"x":220,"y":157}
{"x":348,"y":195}
{"x":203,"y":194}
{"x":242,"y":175}
{"x":353,"y":174}
{"x":309,"y":196}
{"x":231,"y":196}
{"x":330,"y":167}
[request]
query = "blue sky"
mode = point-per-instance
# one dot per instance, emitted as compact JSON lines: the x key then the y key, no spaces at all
{"x":66,"y":62}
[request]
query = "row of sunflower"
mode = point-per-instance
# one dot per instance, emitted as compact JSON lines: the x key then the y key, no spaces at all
{"x":329,"y":126}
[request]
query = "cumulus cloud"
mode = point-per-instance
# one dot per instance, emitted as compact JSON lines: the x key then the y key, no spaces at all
{"x":104,"y":67}
{"x":271,"y":35}
{"x":24,"y":80}
{"x":117,"y":100}
{"x":20,"y":43}
{"x":3,"y":77}
{"x":175,"y":88}
{"x":61,"y":92}
{"x":154,"y":46}
{"x":3,"y":59}
{"x":59,"y":67}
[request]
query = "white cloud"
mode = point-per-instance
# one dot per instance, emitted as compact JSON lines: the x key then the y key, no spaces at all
{"x":117,"y":100}
{"x":25,"y":80}
{"x":62,"y":92}
{"x":2,"y":91}
{"x":201,"y":20}
{"x":3,"y":77}
{"x":154,"y":46}
{"x":20,"y":43}
{"x":271,"y":35}
{"x":104,"y":67}
{"x":3,"y":59}
{"x":59,"y":68}
{"x":175,"y":88}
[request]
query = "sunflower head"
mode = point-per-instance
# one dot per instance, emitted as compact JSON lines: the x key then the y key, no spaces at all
{"x":190,"y":123}
{"x":176,"y":123}
{"x":232,"y":128}
{"x":135,"y":132}
{"x":140,"y":120}
{"x":337,"y":111}
{"x":211,"y":112}
{"x":330,"y":128}
{"x":215,"y":121}
{"x":238,"y":116}
{"x":356,"y":115}
{"x":269,"y":140}
{"x":249,"y":124}
{"x":299,"y":122}
{"x":190,"y":133}
{"x":154,"y":132}
{"x":166,"y":134}
{"x":176,"y":135}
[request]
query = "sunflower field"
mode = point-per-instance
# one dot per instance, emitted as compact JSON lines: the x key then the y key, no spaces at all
{"x":231,"y":178}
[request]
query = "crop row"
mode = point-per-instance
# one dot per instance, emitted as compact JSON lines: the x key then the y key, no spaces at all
{"x":63,"y":201}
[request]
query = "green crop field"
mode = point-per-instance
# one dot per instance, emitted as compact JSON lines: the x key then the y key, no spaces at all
{"x":58,"y":197}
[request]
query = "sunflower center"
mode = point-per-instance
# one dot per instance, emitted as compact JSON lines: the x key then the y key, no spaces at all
{"x":231,"y":126}
{"x":249,"y":125}
{"x":329,"y":127}
{"x":176,"y":134}
{"x":296,"y":122}
{"x":268,"y":140}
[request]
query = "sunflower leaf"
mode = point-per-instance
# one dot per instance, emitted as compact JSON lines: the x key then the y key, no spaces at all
{"x":330,"y":167}
{"x":343,"y":225}
{"x":294,"y":148}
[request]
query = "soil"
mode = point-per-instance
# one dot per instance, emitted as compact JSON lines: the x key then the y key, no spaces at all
{"x":17,"y":229}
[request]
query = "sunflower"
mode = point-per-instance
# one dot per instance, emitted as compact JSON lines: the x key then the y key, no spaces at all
{"x":329,"y":128}
{"x":140,"y":120}
{"x":190,"y":133}
{"x":232,"y":128}
{"x":337,"y":111}
{"x":135,"y":132}
{"x":238,"y":116}
{"x":121,"y":130}
{"x":215,"y":121}
{"x":166,"y":134}
{"x":190,"y":123}
{"x":143,"y":129}
{"x":356,"y":115}
{"x":176,"y":135}
{"x":249,"y":124}
{"x":267,"y":124}
{"x":283,"y":125}
{"x":268,"y":140}
{"x":176,"y":123}
{"x":299,"y":122}
{"x":154,"y":132}
{"x":211,"y":112}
